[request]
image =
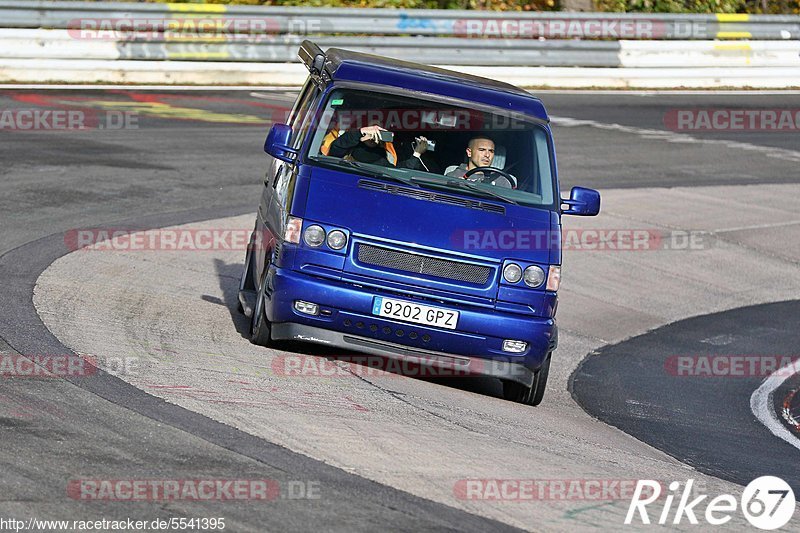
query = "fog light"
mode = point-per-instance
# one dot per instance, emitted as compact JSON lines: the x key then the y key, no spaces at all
{"x":514,"y":346}
{"x":336,"y":239}
{"x":512,"y":273}
{"x":307,"y":308}
{"x":314,"y":235}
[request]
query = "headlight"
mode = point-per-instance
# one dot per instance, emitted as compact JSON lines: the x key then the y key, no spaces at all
{"x":512,"y":273}
{"x":534,"y":276}
{"x":314,"y":235}
{"x":337,"y":239}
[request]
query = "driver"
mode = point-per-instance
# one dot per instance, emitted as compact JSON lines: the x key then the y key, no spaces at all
{"x":480,"y":153}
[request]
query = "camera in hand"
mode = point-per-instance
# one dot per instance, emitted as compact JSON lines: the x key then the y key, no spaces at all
{"x":386,"y":136}
{"x":431,"y":144}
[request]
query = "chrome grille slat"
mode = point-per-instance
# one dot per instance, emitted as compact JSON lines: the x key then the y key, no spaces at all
{"x":431,"y":196}
{"x":423,"y":264}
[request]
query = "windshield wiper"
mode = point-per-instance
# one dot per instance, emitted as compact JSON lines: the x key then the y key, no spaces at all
{"x":368,"y":169}
{"x":464,"y":184}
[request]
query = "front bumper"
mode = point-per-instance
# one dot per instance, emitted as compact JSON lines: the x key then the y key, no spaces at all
{"x":446,"y":364}
{"x":346,"y":321}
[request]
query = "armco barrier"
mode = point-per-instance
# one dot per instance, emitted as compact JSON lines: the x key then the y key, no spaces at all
{"x":51,"y":44}
{"x":76,"y":42}
{"x":442,"y":23}
{"x":59,"y":44}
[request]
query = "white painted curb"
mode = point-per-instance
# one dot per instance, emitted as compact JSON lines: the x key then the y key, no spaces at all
{"x":761,"y":403}
{"x":89,"y":71}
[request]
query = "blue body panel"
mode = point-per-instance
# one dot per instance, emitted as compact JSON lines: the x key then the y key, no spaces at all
{"x":480,"y":331}
{"x":509,"y":100}
{"x":345,"y":287}
{"x":376,"y":214}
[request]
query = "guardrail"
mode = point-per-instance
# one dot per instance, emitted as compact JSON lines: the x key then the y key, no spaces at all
{"x":442,"y":23}
{"x":55,"y":44}
{"x":145,"y":42}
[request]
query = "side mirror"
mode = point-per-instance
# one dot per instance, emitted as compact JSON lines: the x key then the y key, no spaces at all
{"x":582,"y":201}
{"x":277,"y":143}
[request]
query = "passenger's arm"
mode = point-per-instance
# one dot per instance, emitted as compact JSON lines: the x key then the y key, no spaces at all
{"x":413,"y":163}
{"x":344,"y":143}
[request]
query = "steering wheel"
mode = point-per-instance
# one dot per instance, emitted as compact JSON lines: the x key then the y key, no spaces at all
{"x":491,"y":174}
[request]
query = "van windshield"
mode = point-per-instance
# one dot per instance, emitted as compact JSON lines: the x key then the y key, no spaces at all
{"x":424,"y":143}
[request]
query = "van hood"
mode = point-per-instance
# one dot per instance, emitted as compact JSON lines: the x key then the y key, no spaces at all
{"x":448,"y":223}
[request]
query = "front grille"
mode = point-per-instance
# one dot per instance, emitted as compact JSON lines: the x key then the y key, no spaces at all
{"x":423,"y":264}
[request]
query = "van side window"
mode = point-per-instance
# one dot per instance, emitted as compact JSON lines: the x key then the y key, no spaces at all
{"x":298,"y":104}
{"x":301,"y":113}
{"x":284,"y":180}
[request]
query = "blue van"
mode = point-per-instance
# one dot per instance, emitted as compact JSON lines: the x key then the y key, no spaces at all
{"x":412,"y":213}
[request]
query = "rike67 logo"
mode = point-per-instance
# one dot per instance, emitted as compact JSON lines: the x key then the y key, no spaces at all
{"x":767,"y":502}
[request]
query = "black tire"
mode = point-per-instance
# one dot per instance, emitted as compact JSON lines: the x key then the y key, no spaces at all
{"x":259,"y":325}
{"x":243,"y":281}
{"x":515,"y":392}
{"x":533,"y":395}
{"x":540,"y":383}
{"x":246,"y":281}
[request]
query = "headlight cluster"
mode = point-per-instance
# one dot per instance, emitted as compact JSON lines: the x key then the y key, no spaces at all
{"x":512,"y":273}
{"x":314,"y":236}
{"x":337,"y":239}
{"x":533,"y":276}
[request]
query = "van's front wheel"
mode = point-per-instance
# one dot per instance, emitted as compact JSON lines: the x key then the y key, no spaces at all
{"x":533,"y":395}
{"x":246,"y":282}
{"x":259,"y":325}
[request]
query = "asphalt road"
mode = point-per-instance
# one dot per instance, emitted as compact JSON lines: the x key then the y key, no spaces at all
{"x":55,"y":431}
{"x":694,"y":409}
{"x":195,"y":157}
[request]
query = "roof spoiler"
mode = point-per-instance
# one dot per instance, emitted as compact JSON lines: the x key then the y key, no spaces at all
{"x":314,"y":59}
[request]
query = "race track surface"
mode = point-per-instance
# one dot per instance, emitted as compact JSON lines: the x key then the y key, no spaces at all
{"x":199,"y":401}
{"x":651,"y":386}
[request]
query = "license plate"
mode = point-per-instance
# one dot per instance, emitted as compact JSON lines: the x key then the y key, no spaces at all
{"x":411,"y":312}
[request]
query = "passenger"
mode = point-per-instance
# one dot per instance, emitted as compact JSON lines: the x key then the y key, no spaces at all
{"x":365,"y":146}
{"x":480,"y":153}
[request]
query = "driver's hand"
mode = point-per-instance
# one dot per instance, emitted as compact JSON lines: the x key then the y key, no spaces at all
{"x":421,"y":146}
{"x":371,"y":133}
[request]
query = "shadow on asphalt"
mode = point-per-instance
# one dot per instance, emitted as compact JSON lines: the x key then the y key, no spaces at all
{"x":229,"y":274}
